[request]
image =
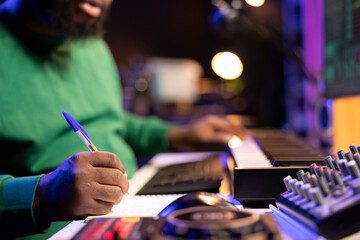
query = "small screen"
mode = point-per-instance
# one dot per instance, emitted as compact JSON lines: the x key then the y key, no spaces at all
{"x":342,"y":48}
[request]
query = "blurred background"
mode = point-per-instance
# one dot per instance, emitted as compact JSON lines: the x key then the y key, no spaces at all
{"x":282,"y":65}
{"x":141,"y":30}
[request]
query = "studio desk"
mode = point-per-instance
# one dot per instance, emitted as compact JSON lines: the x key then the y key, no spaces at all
{"x":253,"y":178}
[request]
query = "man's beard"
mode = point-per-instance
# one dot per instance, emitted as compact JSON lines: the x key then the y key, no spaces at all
{"x":58,"y":14}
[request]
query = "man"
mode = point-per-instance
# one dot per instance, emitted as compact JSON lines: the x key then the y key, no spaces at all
{"x":85,"y":184}
{"x":52,"y":58}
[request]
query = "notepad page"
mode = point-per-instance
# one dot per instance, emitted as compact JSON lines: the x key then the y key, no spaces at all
{"x":140,"y":206}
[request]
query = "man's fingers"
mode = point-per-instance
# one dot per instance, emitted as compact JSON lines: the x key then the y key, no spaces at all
{"x":106,"y":193}
{"x":98,"y":207}
{"x":114,"y":177}
{"x":225,"y":125}
{"x":221,"y":124}
{"x":220,"y":138}
{"x":107,"y":160}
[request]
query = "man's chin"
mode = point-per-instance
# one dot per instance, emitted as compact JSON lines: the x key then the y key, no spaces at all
{"x":81,"y":26}
{"x":81,"y":30}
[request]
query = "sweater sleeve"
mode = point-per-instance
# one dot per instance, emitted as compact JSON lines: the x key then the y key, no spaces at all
{"x":16,"y":199}
{"x":147,"y":136}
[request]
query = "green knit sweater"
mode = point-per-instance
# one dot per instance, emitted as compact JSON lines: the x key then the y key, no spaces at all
{"x":40,"y":77}
{"x":79,"y":77}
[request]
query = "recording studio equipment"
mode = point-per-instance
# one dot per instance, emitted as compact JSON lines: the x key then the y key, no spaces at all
{"x":258,"y":177}
{"x":204,"y":175}
{"x":285,"y":149}
{"x":316,"y":102}
{"x":196,"y":199}
{"x":325,"y":199}
{"x":192,"y":223}
{"x":216,"y":220}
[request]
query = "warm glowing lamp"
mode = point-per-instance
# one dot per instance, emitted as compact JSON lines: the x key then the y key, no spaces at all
{"x":227,"y":65}
{"x":255,"y":3}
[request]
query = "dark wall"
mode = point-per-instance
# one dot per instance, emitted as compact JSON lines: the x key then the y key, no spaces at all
{"x":183,"y":29}
{"x":168,"y":28}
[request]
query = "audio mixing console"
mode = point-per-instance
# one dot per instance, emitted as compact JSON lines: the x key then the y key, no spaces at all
{"x":326,"y":199}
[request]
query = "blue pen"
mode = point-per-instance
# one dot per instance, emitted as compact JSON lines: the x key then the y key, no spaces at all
{"x":78,"y":129}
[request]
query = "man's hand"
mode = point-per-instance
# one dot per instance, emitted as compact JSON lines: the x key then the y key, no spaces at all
{"x":88,"y":183}
{"x":208,"y":133}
